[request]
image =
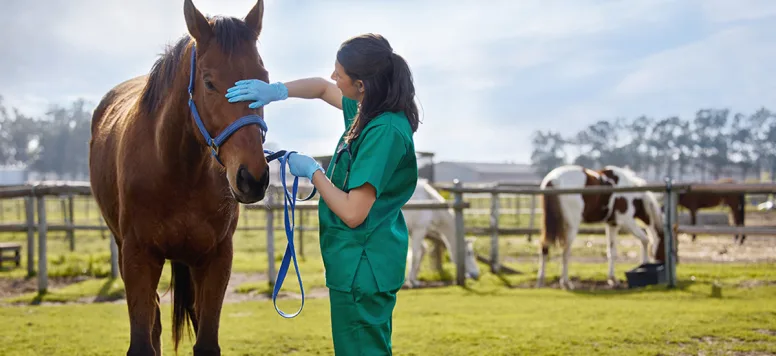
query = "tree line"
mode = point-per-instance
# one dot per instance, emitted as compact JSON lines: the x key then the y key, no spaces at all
{"x":57,"y":142}
{"x":708,"y":144}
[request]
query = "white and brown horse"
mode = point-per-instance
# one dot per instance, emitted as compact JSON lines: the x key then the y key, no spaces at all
{"x":563,"y":214}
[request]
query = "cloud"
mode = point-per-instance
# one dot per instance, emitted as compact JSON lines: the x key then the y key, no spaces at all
{"x":487,"y":74}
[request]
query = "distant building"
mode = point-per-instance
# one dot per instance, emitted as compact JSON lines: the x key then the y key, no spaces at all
{"x":478,"y":172}
{"x":13,"y":175}
{"x":425,"y":164}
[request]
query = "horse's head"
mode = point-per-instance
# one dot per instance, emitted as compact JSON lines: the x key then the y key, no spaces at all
{"x":470,"y":261}
{"x":225,"y":50}
{"x":649,"y":211}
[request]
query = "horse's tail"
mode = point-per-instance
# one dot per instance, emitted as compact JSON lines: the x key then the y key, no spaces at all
{"x":554,"y":229}
{"x":182,"y":301}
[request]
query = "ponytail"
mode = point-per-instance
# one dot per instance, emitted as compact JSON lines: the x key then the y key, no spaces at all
{"x":387,"y":78}
{"x":401,"y":94}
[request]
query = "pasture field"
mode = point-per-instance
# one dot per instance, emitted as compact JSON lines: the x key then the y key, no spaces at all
{"x":84,"y":311}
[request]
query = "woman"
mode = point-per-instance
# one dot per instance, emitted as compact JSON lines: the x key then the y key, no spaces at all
{"x":373,"y":173}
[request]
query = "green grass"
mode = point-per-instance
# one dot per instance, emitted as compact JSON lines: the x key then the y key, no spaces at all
{"x":449,"y":321}
{"x":495,"y":315}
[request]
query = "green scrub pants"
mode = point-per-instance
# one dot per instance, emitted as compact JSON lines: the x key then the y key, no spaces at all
{"x":361,"y":320}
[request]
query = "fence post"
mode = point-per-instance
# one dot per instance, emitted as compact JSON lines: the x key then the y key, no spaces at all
{"x":70,"y":221}
{"x":494,"y":213}
{"x":271,"y":240}
{"x":533,"y":213}
{"x":668,"y":233}
{"x":29,"y":209}
{"x":460,"y":252}
{"x":42,"y":229}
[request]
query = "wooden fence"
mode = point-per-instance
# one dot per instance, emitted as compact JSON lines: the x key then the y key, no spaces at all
{"x":39,"y":191}
{"x":670,"y":194}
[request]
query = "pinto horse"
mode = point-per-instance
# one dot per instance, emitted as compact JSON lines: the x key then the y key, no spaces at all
{"x":735,"y":201}
{"x":563,"y":214}
{"x":166,"y":189}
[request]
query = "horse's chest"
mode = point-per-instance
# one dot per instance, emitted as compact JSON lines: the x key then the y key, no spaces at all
{"x":190,"y":233}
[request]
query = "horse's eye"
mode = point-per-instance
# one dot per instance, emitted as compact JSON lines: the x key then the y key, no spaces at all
{"x":209,"y":85}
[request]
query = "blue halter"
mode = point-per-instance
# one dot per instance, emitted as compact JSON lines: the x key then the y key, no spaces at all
{"x":282,"y":157}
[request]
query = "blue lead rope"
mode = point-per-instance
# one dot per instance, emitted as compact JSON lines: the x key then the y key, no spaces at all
{"x":290,"y":253}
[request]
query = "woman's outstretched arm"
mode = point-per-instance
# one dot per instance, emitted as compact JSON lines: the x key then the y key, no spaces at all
{"x":315,"y":88}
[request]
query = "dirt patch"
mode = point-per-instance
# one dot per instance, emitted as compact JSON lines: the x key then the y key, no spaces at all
{"x":14,"y":287}
{"x":721,"y":346}
{"x":705,"y":249}
{"x":766,"y":332}
{"x":755,"y":284}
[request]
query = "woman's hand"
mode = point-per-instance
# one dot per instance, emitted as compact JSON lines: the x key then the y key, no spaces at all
{"x":303,"y":166}
{"x":261,"y":93}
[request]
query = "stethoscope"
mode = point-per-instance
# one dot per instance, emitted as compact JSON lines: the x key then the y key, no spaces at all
{"x":345,"y":147}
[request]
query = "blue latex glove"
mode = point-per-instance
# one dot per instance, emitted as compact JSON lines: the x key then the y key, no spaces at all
{"x":261,"y":93}
{"x":303,"y":166}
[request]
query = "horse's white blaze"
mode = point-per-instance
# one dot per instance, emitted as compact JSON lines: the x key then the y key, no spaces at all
{"x":438,"y":225}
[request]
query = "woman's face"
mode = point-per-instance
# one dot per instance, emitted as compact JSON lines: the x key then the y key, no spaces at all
{"x":351,"y":89}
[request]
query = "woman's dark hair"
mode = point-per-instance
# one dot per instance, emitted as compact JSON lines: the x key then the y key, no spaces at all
{"x":388,"y":84}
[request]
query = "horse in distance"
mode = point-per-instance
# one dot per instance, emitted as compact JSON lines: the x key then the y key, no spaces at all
{"x":167,"y":189}
{"x":563,"y":214}
{"x":693,"y":201}
{"x":437,"y":226}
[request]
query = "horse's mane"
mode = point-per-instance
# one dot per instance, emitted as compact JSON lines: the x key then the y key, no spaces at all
{"x":650,"y":201}
{"x":629,"y":174}
{"x":229,"y":33}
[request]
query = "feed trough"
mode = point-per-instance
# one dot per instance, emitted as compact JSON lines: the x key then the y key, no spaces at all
{"x":646,"y":274}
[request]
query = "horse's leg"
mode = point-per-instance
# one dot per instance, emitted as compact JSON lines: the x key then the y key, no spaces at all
{"x":571,"y":234}
{"x":611,"y":252}
{"x":737,"y":204}
{"x":693,"y":219}
{"x":418,"y":251}
{"x":210,"y":281}
{"x":640,"y":234}
{"x":156,"y":333}
{"x":141,"y":271}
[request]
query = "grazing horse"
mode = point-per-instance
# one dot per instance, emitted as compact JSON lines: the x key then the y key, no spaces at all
{"x":169,"y":191}
{"x":438,"y":226}
{"x":693,"y":201}
{"x":563,"y":214}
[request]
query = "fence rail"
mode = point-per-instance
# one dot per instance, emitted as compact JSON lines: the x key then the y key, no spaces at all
{"x":37,"y":193}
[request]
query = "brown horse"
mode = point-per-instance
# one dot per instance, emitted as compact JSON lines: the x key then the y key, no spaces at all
{"x":169,"y":191}
{"x":693,"y":201}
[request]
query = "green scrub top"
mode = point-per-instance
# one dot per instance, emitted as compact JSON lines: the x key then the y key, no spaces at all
{"x":383,"y":155}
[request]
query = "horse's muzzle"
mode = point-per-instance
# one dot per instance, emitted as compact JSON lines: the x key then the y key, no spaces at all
{"x":250,"y":189}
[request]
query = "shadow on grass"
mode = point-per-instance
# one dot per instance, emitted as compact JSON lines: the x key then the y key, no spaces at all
{"x":106,"y":295}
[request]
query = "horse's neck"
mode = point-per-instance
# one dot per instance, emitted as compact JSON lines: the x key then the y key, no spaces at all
{"x":177,"y":148}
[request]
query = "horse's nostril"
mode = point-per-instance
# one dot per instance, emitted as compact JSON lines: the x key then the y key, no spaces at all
{"x":244,"y":180}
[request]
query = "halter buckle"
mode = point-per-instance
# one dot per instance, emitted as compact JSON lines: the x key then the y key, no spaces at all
{"x":213,"y":148}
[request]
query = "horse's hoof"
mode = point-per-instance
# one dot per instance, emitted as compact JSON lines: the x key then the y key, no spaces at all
{"x":613,"y":282}
{"x":566,"y":285}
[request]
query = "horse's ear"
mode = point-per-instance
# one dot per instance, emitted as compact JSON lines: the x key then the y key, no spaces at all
{"x":255,"y":17}
{"x":197,"y":24}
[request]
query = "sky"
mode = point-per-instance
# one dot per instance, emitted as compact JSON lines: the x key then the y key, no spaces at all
{"x":487,"y":73}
